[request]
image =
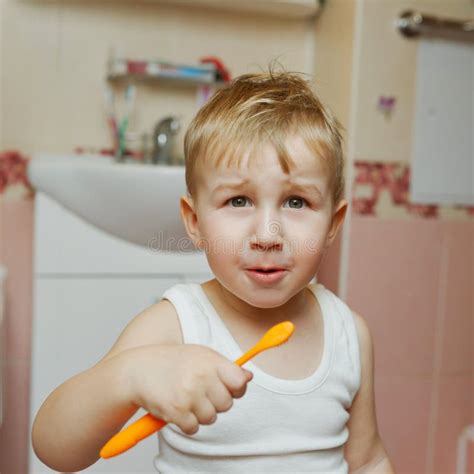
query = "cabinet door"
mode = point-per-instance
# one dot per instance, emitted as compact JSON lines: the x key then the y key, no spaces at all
{"x":75,"y":322}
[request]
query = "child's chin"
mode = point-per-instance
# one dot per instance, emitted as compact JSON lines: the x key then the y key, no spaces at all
{"x":265,"y":301}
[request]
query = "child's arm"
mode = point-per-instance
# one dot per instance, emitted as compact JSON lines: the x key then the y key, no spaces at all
{"x":364,"y":450}
{"x":80,"y":415}
{"x":149,"y":367}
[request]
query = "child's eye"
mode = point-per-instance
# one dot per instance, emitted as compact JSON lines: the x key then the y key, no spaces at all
{"x":238,"y":199}
{"x":296,"y":199}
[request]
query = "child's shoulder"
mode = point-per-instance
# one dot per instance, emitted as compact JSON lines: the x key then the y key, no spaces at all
{"x":157,"y":324}
{"x":365,"y":352}
{"x":363,"y":331}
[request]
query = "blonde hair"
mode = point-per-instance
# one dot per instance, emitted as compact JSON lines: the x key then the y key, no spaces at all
{"x":258,"y":108}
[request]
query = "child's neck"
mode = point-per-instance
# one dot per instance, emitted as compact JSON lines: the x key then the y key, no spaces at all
{"x":231,"y":308}
{"x":300,"y":356}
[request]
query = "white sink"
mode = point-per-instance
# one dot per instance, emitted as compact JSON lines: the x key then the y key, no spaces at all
{"x":135,"y":202}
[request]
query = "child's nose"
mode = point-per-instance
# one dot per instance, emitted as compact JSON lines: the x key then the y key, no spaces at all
{"x":268,"y":234}
{"x":266,"y":244}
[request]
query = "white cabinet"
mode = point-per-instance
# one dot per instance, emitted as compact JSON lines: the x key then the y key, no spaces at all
{"x":87,"y":287}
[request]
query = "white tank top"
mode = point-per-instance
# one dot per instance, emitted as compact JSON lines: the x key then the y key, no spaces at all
{"x":279,"y":425}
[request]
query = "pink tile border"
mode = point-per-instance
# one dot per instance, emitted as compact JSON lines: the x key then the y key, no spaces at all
{"x":13,"y":167}
{"x":374,"y":178}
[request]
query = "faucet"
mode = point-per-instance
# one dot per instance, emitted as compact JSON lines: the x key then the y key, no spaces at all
{"x":163,"y":133}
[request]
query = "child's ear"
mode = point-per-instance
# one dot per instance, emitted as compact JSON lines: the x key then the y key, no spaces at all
{"x":337,"y":220}
{"x":189,"y":216}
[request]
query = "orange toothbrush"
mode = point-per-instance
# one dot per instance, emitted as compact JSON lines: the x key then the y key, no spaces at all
{"x":148,"y":424}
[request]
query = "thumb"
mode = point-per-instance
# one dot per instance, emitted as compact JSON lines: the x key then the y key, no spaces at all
{"x":248,"y":374}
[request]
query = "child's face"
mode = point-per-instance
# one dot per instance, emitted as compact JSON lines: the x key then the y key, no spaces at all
{"x":266,"y":222}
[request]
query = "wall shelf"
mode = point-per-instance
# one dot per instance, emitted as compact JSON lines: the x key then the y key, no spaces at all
{"x":122,"y":69}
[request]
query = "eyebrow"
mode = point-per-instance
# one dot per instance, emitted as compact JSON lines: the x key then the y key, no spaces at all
{"x":309,"y":188}
{"x":230,"y":185}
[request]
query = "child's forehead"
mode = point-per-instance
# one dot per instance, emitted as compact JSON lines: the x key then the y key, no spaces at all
{"x":262,"y":159}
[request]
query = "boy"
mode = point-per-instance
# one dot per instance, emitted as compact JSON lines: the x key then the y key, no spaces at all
{"x":259,"y":146}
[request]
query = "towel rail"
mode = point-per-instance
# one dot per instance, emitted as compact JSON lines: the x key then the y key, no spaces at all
{"x":412,"y":23}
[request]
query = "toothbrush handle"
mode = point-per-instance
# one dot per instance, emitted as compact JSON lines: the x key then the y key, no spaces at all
{"x":129,"y":437}
{"x":148,"y":424}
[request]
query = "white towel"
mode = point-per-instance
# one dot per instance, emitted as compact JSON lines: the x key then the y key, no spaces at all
{"x":442,"y":158}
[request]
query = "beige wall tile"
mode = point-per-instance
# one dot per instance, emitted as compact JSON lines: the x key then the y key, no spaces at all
{"x":55,"y":70}
{"x":333,"y":56}
{"x":387,"y":62}
{"x":30,"y":79}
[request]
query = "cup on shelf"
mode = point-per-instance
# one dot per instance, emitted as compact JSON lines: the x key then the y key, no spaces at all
{"x":136,"y":147}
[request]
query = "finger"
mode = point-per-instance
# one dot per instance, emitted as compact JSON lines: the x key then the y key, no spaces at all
{"x":205,"y":412}
{"x":219,"y":395}
{"x":187,"y":422}
{"x":234,"y":378}
{"x":248,"y":374}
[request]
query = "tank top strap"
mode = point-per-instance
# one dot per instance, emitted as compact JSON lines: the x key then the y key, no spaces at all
{"x":192,"y":317}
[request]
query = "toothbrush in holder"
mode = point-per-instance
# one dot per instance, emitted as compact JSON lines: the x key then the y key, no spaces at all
{"x":130,"y":93}
{"x":119,"y":129}
{"x":111,"y":117}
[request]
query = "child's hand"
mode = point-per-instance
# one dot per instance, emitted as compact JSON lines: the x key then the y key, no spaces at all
{"x":185,"y":384}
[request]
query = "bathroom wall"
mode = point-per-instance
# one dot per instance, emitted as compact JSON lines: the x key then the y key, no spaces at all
{"x":410,"y":273}
{"x":61,"y":50}
{"x":407,"y":268}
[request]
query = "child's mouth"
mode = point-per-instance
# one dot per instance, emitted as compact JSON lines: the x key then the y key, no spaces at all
{"x":266,"y":276}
